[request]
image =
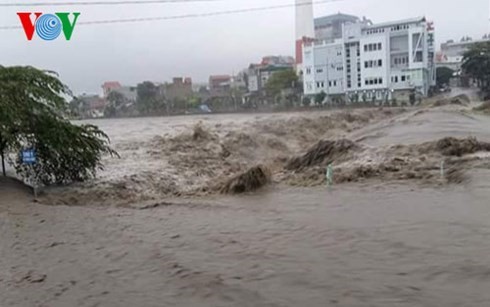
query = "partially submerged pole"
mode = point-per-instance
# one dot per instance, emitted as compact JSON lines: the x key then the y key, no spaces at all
{"x":3,"y":164}
{"x":329,"y":175}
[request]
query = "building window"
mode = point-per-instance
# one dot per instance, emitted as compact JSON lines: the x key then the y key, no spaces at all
{"x":319,"y":70}
{"x":379,"y":46}
{"x":418,"y":57}
{"x":380,"y":81}
{"x":380,"y":63}
{"x":365,"y":48}
{"x":366,"y":64}
{"x":403,"y":78}
{"x":308,"y":70}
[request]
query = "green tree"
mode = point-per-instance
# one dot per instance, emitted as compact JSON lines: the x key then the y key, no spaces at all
{"x":320,"y":97}
{"x":306,"y":101}
{"x":116,"y":99}
{"x":32,"y":115}
{"x":116,"y":102}
{"x":444,"y":75}
{"x":195,"y":101}
{"x":476,"y":64}
{"x":149,"y":99}
{"x":281,"y":80}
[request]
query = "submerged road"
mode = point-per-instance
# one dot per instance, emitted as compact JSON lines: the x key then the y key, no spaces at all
{"x":360,"y":245}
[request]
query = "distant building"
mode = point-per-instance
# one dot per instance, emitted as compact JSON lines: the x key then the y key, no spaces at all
{"x":91,"y":105}
{"x":377,"y":62}
{"x":110,"y":86}
{"x":259,"y":74}
{"x":451,"y":54}
{"x":219,"y":84}
{"x":129,"y":92}
{"x":180,"y":88}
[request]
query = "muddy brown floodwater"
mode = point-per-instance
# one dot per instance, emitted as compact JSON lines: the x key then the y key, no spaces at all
{"x":368,"y":243}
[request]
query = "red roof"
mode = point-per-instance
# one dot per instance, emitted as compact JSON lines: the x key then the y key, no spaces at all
{"x":111,"y":84}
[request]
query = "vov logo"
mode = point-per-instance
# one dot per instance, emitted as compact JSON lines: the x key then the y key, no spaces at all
{"x":48,"y":26}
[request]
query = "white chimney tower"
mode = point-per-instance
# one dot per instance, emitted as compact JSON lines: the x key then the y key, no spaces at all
{"x":304,"y":26}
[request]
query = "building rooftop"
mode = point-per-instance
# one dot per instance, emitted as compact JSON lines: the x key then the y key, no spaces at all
{"x":111,"y":84}
{"x":468,"y":42}
{"x":327,"y":20}
{"x":398,"y":22}
{"x":219,"y":77}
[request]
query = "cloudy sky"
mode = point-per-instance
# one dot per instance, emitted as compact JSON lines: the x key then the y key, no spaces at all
{"x":198,"y":47}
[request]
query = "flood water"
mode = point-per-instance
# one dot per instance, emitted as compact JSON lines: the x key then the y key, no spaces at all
{"x":376,"y":245}
{"x":366,"y":244}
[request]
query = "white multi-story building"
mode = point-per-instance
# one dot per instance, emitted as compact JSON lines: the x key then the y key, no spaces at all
{"x":374,"y":62}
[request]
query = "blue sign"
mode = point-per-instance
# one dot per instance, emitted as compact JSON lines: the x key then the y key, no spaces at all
{"x":28,"y":156}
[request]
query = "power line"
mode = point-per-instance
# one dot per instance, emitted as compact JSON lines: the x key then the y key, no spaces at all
{"x":30,"y":4}
{"x":189,"y":16}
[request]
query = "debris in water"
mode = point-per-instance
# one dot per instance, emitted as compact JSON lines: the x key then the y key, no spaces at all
{"x":323,"y":153}
{"x":457,"y":100}
{"x":451,"y":146}
{"x":484,"y":107}
{"x":251,"y":180}
{"x":455,"y":175}
{"x":200,"y":133}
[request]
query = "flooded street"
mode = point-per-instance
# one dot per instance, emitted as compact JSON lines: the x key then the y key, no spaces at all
{"x":378,"y":245}
{"x":368,"y":243}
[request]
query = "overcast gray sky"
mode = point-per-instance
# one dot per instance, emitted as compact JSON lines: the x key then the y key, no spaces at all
{"x":198,"y":47}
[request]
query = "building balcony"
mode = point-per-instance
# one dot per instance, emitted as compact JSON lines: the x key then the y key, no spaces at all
{"x":399,"y":51}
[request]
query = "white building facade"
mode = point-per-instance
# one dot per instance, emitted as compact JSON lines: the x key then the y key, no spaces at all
{"x":373,"y":62}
